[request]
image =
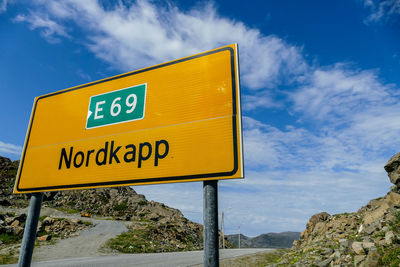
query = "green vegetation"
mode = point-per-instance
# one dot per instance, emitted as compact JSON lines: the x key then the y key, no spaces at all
{"x":379,"y":234}
{"x":256,"y":260}
{"x":132,"y":242}
{"x":8,"y":258}
{"x":395,"y":224}
{"x":87,"y":223}
{"x":121,"y":207}
{"x":9,"y":239}
{"x":391,"y":257}
{"x":71,"y":203}
{"x":151,"y":238}
{"x":68,"y":210}
{"x":294,"y":260}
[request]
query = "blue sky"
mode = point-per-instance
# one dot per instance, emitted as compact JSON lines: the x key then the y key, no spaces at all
{"x":320,"y":90}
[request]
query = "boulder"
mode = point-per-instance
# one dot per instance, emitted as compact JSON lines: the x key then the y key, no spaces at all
{"x":372,"y":259}
{"x":389,"y":237}
{"x":358,"y":260}
{"x":368,"y":246}
{"x":44,"y":238}
{"x":312,"y":223}
{"x":373,"y":216}
{"x":15,"y":223}
{"x":393,"y":198}
{"x":48,"y":221}
{"x":392,"y":167}
{"x":358,"y":248}
{"x":9,"y":220}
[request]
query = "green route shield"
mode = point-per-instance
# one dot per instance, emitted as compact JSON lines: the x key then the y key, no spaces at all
{"x":117,"y":106}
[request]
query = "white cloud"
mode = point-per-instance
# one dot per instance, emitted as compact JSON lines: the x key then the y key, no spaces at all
{"x":6,"y":148}
{"x":3,"y":5}
{"x":260,"y":100}
{"x":354,"y":112}
{"x":340,"y":91}
{"x":143,"y":34}
{"x":49,"y":29}
{"x":382,"y":10}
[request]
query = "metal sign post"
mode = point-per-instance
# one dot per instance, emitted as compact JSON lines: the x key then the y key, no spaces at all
{"x":28,"y":240}
{"x":210,"y":215}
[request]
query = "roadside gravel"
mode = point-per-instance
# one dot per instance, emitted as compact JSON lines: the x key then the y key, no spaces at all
{"x":86,"y":244}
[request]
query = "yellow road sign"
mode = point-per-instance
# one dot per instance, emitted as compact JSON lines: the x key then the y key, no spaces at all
{"x":175,"y":122}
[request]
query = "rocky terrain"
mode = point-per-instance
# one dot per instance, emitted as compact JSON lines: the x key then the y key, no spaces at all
{"x":153,"y":227}
{"x":49,"y":229}
{"x":368,"y":237}
{"x":270,"y":240}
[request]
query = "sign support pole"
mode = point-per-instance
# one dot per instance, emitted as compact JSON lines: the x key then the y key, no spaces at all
{"x":210,"y":216}
{"x":28,"y":240}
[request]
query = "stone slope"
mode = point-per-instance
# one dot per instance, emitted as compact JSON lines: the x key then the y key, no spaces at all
{"x":368,"y":237}
{"x":8,"y":171}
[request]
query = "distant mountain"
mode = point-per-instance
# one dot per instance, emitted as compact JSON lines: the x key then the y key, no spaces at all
{"x":270,"y":240}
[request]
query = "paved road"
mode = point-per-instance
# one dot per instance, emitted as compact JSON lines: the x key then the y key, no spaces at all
{"x":190,"y":258}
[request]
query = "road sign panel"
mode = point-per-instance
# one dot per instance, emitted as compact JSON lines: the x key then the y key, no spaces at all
{"x":175,"y":122}
{"x":117,"y":106}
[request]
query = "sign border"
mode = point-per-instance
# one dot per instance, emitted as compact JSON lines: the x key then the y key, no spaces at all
{"x":157,"y":180}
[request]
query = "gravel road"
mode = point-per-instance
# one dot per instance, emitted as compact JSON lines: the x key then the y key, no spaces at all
{"x":87,"y":244}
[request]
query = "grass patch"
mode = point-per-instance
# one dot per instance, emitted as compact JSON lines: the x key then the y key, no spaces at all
{"x":71,"y":203}
{"x":68,"y":210}
{"x":154,"y":238}
{"x":87,"y":223}
{"x":134,"y":241}
{"x":121,"y":207}
{"x":391,"y":257}
{"x":395,"y":224}
{"x":9,"y":239}
{"x":256,"y":260}
{"x":379,"y":234}
{"x":8,"y":259}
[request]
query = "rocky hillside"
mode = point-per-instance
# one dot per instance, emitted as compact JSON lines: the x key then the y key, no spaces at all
{"x":8,"y":171}
{"x":153,"y":226}
{"x":270,"y":240}
{"x":368,"y":237}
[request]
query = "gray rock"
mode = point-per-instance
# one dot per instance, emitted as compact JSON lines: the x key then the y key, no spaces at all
{"x":325,"y":263}
{"x":358,"y":248}
{"x":392,"y":167}
{"x":359,"y":260}
{"x":344,"y":243}
{"x":9,"y":220}
{"x":372,"y":259}
{"x":389,"y":237}
{"x":368,"y":246}
{"x":327,"y":251}
{"x":370,"y":229}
